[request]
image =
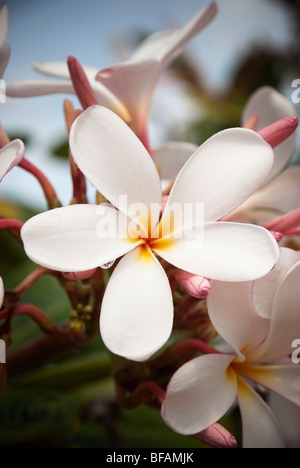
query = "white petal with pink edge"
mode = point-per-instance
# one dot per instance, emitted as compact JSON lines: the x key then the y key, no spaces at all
{"x":199,"y":394}
{"x":167,"y":45}
{"x":132,"y":82}
{"x":11,"y":155}
{"x":137,"y":310}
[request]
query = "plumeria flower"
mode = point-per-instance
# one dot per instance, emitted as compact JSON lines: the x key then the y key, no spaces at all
{"x":127,"y":87}
{"x":4,"y":45}
{"x":137,"y":310}
{"x":11,"y":155}
{"x":259,"y":322}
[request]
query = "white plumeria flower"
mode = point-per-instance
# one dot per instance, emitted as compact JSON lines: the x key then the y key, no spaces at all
{"x":201,"y":391}
{"x":125,"y":88}
{"x":137,"y":310}
{"x":4,"y":45}
{"x":11,"y":155}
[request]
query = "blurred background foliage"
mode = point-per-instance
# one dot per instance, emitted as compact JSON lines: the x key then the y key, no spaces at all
{"x":71,"y":401}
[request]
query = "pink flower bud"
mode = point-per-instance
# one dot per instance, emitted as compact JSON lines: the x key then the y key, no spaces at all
{"x":277,"y":235}
{"x":81,"y":275}
{"x":81,"y":84}
{"x":217,"y":436}
{"x":279,"y":131}
{"x":196,"y":286}
{"x":286,"y":223}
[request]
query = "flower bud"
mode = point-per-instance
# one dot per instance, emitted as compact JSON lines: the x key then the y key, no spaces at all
{"x":80,"y":275}
{"x":217,"y":436}
{"x":279,"y":131}
{"x":196,"y":286}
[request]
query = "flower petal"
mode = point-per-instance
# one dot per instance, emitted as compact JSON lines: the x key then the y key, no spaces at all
{"x":10,"y":156}
{"x":199,"y":394}
{"x":3,"y":20}
{"x":4,"y":55}
{"x":56,"y":69}
{"x":284,"y":380}
{"x":288,"y":416}
{"x":271,"y":106}
{"x":223,"y":251}
{"x":1,"y":292}
{"x":104,"y":96}
{"x":232,"y":316}
{"x":167,"y":45}
{"x":76,"y":238}
{"x":223,"y":173}
{"x":172,"y":156}
{"x":260,"y":428}
{"x":38,"y":88}
{"x":115,"y":161}
{"x":285,"y":320}
{"x":137,"y":310}
{"x":132,"y":82}
{"x":265,"y":288}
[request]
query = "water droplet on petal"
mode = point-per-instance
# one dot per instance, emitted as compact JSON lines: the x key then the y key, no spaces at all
{"x":107,"y":265}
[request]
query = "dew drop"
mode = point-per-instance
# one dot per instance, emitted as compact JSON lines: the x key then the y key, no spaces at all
{"x":107,"y":265}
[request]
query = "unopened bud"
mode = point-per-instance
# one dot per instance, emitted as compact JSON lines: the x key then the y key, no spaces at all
{"x":196,"y":286}
{"x":81,"y":84}
{"x":217,"y":436}
{"x":286,"y":223}
{"x":81,"y":275}
{"x":278,"y":236}
{"x":279,"y":131}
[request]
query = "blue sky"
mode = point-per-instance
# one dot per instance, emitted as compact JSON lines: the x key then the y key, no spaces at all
{"x":94,"y":32}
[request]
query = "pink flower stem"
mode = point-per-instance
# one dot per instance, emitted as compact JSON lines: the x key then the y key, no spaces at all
{"x":49,"y":192}
{"x":78,"y":179}
{"x":39,"y":317}
{"x":150,"y":394}
{"x":14,"y":227}
{"x":10,"y":225}
{"x":48,"y":189}
{"x":18,"y":292}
